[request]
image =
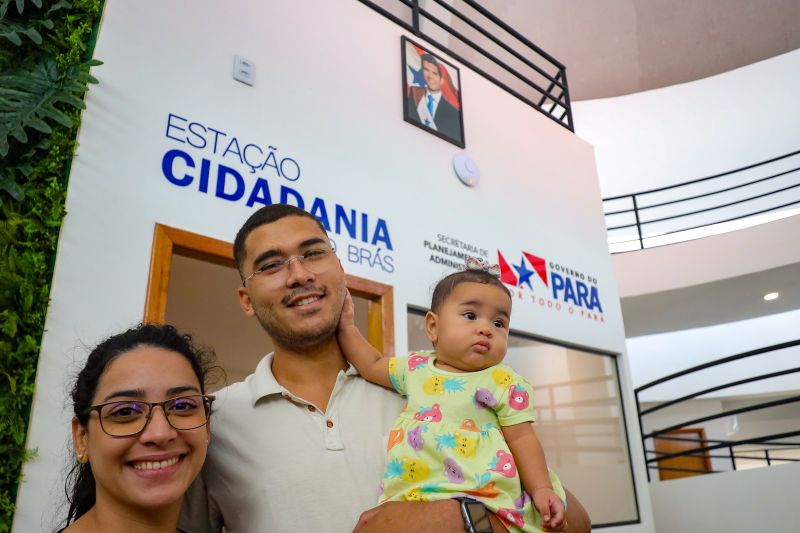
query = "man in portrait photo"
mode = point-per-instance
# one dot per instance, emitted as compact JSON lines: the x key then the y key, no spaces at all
{"x":428,"y":104}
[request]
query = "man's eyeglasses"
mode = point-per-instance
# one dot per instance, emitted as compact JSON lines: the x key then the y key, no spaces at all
{"x":130,"y":417}
{"x":313,"y":260}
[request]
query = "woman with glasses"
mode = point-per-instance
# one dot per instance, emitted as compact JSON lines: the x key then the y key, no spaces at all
{"x":140,"y":431}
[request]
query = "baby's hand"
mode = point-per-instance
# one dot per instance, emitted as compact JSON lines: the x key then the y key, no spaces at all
{"x":348,"y":312}
{"x":550,"y":507}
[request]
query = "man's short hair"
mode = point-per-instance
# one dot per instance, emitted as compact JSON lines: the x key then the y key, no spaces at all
{"x":432,"y":60}
{"x":266,"y":215}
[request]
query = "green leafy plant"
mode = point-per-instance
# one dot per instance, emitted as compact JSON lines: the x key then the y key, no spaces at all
{"x":44,"y":72}
{"x":29,"y":98}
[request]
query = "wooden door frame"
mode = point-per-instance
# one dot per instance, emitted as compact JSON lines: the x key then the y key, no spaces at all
{"x":168,"y":241}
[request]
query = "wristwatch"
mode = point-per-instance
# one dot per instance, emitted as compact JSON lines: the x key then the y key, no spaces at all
{"x":476,"y":518}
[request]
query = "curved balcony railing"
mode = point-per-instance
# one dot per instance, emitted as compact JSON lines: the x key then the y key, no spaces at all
{"x":741,"y":456}
{"x":704,"y":206}
{"x":780,"y":447}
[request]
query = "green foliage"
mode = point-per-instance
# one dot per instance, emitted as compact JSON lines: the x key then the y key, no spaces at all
{"x":29,"y":98}
{"x":44,"y":72}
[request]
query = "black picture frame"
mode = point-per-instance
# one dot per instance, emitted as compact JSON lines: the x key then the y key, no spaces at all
{"x":447,"y":120}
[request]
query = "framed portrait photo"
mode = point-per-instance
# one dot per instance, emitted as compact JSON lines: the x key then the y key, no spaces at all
{"x":432,"y":93}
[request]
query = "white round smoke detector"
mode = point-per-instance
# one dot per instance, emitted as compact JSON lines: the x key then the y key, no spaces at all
{"x":466,"y":169}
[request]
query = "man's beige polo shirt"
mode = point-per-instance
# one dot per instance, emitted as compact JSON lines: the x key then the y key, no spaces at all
{"x":277,"y":463}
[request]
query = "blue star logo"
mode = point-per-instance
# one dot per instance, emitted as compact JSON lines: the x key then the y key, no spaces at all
{"x":418,"y":78}
{"x":524,"y":273}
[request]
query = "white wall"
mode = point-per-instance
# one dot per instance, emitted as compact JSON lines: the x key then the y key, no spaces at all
{"x":705,"y":260}
{"x":328,"y":95}
{"x":655,"y":356}
{"x":687,"y":131}
{"x":761,"y":499}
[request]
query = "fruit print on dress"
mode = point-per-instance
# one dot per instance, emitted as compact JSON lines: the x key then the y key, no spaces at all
{"x":415,"y":469}
{"x":485,"y":491}
{"x":420,"y":494}
{"x":408,"y":469}
{"x":393,"y":374}
{"x":503,"y":464}
{"x":517,"y":398}
{"x":484,"y":399}
{"x":415,"y":439}
{"x":523,"y":500}
{"x":484,"y":488}
{"x":469,"y":425}
{"x":510,"y":516}
{"x":413,"y":495}
{"x":458,"y":442}
{"x":395,"y":438}
{"x":429,"y":414}
{"x":503,"y":378}
{"x":452,"y":471}
{"x":465,"y":446}
{"x":445,"y":441}
{"x":438,"y":385}
{"x":416,"y":361}
{"x":434,"y":385}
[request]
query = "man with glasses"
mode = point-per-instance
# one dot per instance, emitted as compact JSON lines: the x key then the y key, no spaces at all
{"x":299,"y":445}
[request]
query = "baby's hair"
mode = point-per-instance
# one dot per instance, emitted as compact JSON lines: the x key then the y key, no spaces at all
{"x":447,"y":284}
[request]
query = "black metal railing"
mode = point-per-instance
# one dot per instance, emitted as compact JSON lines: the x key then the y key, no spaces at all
{"x":487,"y":45}
{"x":654,"y":459}
{"x":744,"y":452}
{"x":657,"y":216}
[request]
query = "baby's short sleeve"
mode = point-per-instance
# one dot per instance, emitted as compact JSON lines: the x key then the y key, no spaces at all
{"x":515,"y":404}
{"x":398,"y":367}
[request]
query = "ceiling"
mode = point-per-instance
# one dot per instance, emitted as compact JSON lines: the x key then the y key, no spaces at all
{"x":617,"y":47}
{"x":719,"y":302}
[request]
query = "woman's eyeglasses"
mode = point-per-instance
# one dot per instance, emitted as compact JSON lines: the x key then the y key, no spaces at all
{"x":130,"y":417}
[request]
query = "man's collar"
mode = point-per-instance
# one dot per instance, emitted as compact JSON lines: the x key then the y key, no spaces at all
{"x":263,"y":382}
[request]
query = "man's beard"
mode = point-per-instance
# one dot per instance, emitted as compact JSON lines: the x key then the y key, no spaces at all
{"x":294,"y":339}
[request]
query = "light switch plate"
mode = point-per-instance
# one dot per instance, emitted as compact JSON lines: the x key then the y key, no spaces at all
{"x":244,"y":70}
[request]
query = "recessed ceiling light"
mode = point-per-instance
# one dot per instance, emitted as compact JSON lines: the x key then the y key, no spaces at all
{"x":771,"y":296}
